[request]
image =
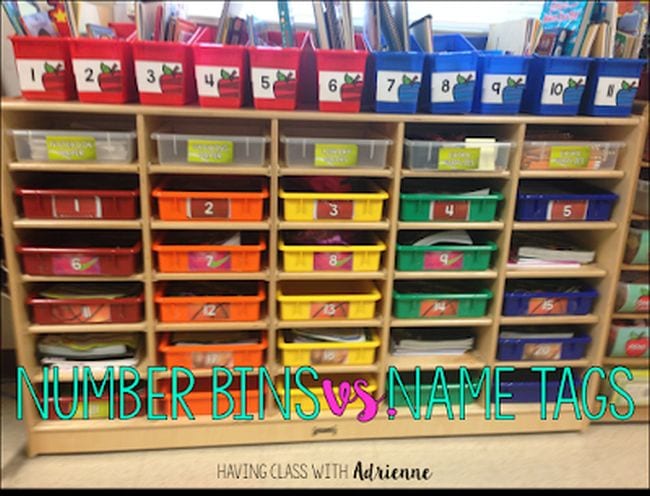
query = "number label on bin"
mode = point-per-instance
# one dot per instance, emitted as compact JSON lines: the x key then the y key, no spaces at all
{"x":438,"y":308}
{"x":335,"y":310}
{"x":70,"y":148}
{"x":562,"y":89}
{"x":200,"y":208}
{"x":159,"y":77}
{"x":217,"y":81}
{"x":209,"y":359}
{"x":449,"y":210}
{"x":450,"y":87}
{"x":569,"y":157}
{"x":333,"y":209}
{"x":339,"y":86}
{"x":614,"y":91}
{"x":41,"y":75}
{"x":75,"y":264}
{"x":567,"y":210}
{"x":542,"y":351}
{"x":397,"y":86}
{"x":324,"y":357}
{"x":458,"y":158}
{"x":547,"y":306}
{"x":209,"y":151}
{"x":86,"y":207}
{"x":209,"y":311}
{"x":443,"y":260}
{"x":82,"y":313}
{"x":503,"y":88}
{"x":98,"y":75}
{"x":276,"y":84}
{"x":335,"y":155}
{"x":200,"y":261}
{"x":333,"y":261}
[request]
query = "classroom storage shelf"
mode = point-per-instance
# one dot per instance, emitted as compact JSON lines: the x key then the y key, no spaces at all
{"x":390,"y":177}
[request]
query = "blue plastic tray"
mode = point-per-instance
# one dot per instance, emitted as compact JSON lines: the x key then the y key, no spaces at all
{"x":526,"y":387}
{"x":542,"y":348}
{"x":536,"y":303}
{"x":611,"y":87}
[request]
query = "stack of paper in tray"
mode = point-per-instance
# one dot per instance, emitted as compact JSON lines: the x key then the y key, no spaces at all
{"x":547,"y":251}
{"x":91,"y":350}
{"x":326,"y":336}
{"x":430,"y":342}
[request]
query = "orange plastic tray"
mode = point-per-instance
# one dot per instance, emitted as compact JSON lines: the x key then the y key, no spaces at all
{"x":208,"y":258}
{"x":208,"y":356}
{"x":209,"y":308}
{"x":230,"y":201}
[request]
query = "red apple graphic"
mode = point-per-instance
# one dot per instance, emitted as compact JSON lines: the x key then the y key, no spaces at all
{"x":228,"y":85}
{"x":172,"y":79}
{"x":284,"y":87}
{"x":110,"y":79}
{"x":637,"y":346}
{"x":53,"y":79}
{"x":351,"y":89}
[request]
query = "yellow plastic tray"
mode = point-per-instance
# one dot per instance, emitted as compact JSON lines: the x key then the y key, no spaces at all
{"x":297,"y":396}
{"x":297,"y":354}
{"x":308,"y":258}
{"x":314,"y":300}
{"x":359,"y":207}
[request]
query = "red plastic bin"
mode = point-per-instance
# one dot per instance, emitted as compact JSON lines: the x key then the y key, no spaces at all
{"x":68,"y":257}
{"x":79,"y":203}
{"x":341,"y":77}
{"x":221,"y":74}
{"x":208,"y":356}
{"x":44,"y":68}
{"x":92,"y":310}
{"x":103,"y":70}
{"x":278,"y":74}
{"x":123,"y":29}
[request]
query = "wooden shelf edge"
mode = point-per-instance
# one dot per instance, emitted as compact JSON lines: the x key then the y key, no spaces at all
{"x":457,"y":174}
{"x":157,"y":224}
{"x":458,"y":322}
{"x":564,"y":226}
{"x":211,"y":276}
{"x":493,"y":226}
{"x":630,"y":362}
{"x":85,"y":328}
{"x":252,"y":325}
{"x":572,"y":174}
{"x":212,"y":170}
{"x":77,"y":224}
{"x":75,"y":167}
{"x":630,"y":316}
{"x":635,"y":268}
{"x":520,"y":364}
{"x":348,"y":225}
{"x":343,"y":172}
{"x":319,"y":324}
{"x":330,"y":276}
{"x":549,"y":319}
{"x":446,"y":274}
{"x":588,"y":271}
{"x":30,"y":278}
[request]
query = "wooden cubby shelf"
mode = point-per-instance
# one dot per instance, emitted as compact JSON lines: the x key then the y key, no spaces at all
{"x":631,"y":362}
{"x":607,"y":238}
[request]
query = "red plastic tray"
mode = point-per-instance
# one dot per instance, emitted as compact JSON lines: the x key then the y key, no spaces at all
{"x":44,"y":68}
{"x":221,"y":74}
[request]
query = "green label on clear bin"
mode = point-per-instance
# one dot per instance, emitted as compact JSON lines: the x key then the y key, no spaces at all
{"x":335,"y":155}
{"x":458,"y":158}
{"x":569,"y":157}
{"x":209,"y":151}
{"x":71,"y":148}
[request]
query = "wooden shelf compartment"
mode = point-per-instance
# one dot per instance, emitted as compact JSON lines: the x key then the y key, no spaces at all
{"x":635,"y":216}
{"x":252,"y":325}
{"x":635,"y":268}
{"x":629,"y":362}
{"x":549,"y":319}
{"x":84,"y":328}
{"x":208,"y":225}
{"x":456,"y":175}
{"x":443,"y":226}
{"x":329,"y":171}
{"x":211,"y":276}
{"x":325,"y":323}
{"x":30,"y":278}
{"x":324,"y":275}
{"x":213,"y":170}
{"x":77,"y":224}
{"x":90,"y":167}
{"x":572,"y":174}
{"x":445,"y":274}
{"x":630,"y":315}
{"x":333,"y":224}
{"x":586,"y":271}
{"x":564,"y":226}
{"x":458,"y":322}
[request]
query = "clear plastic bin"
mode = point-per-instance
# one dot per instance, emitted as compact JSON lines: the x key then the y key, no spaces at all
{"x":456,"y":156}
{"x":210,"y":149}
{"x":367,"y":152}
{"x":73,"y":146}
{"x":570,"y":154}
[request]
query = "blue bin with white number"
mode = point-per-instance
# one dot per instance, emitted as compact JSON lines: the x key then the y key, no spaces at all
{"x":452,"y":70}
{"x":611,"y":87}
{"x":500,"y":82}
{"x":555,"y":85}
{"x":397,"y":81}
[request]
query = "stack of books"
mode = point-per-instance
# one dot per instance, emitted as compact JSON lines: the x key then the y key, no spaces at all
{"x":430,"y":342}
{"x":547,"y":251}
{"x":326,"y":336}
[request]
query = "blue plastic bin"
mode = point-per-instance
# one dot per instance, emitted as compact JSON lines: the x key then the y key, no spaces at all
{"x":526,"y":387}
{"x":500,"y":82}
{"x":532,"y":303}
{"x":449,"y":75}
{"x":561,"y":202}
{"x":555,"y":85}
{"x":611,"y":87}
{"x":397,"y":79}
{"x":514,"y":349}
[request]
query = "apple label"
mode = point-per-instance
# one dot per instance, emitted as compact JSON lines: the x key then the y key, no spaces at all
{"x":328,"y":357}
{"x":209,"y":359}
{"x":209,"y":151}
{"x":340,"y":86}
{"x":449,"y":87}
{"x":438,"y":308}
{"x":449,"y":210}
{"x":334,"y":209}
{"x":41,"y":75}
{"x":208,"y":311}
{"x":273,"y":83}
{"x":503,"y":88}
{"x":547,"y":306}
{"x":337,"y":310}
{"x":567,"y":210}
{"x":202,"y":208}
{"x":443,"y":260}
{"x":569,"y":157}
{"x":398,"y":86}
{"x":455,"y":158}
{"x":562,"y":89}
{"x":96,"y":76}
{"x":73,"y":265}
{"x":67,"y":148}
{"x":69,"y":314}
{"x":71,"y":207}
{"x":614,"y":91}
{"x":335,"y":155}
{"x":542,"y":351}
{"x":201,"y":261}
{"x":333,"y":261}
{"x":159,"y":77}
{"x":217,"y":81}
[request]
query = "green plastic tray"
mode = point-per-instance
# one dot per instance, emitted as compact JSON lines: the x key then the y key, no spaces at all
{"x":424,"y":207}
{"x":445,"y":257}
{"x":441,"y":305}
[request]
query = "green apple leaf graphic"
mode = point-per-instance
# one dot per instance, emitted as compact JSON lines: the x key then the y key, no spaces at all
{"x":87,"y":265}
{"x":625,"y":85}
{"x":406,"y":79}
{"x":280,"y":76}
{"x":49,"y":68}
{"x":343,"y":261}
{"x":215,"y":264}
{"x":348,"y":79}
{"x":104,"y":68}
{"x":167,"y":70}
{"x":460,"y":79}
{"x":511,"y":82}
{"x":224,"y":74}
